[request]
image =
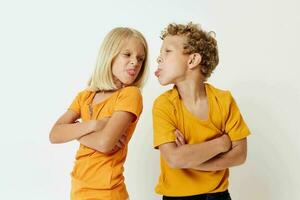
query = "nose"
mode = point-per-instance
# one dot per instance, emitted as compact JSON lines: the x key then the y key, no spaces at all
{"x":133,"y":61}
{"x":159,"y":60}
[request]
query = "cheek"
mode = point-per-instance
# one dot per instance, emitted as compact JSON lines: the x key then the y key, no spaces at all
{"x":116,"y":71}
{"x":117,"y":66}
{"x":120,"y":61}
{"x":140,"y":67}
{"x":114,"y":67}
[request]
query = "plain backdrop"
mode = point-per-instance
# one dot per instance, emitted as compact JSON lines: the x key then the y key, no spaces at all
{"x":48,"y":50}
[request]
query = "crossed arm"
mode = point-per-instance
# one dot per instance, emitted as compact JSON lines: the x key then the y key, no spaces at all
{"x":217,"y":154}
{"x":106,"y":136}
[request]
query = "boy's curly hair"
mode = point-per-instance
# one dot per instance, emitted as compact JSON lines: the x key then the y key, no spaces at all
{"x":198,"y":41}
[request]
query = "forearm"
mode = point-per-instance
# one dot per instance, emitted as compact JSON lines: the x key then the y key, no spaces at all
{"x":102,"y":140}
{"x":192,"y":155}
{"x":62,"y":133}
{"x":92,"y":140}
{"x":107,"y":137}
{"x":223,"y":161}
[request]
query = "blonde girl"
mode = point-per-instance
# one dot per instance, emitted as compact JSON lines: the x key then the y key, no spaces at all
{"x":109,"y":109}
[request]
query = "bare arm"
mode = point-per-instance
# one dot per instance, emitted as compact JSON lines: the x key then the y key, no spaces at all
{"x":236,"y":156}
{"x":66,"y":129}
{"x":106,"y":139}
{"x":192,"y":155}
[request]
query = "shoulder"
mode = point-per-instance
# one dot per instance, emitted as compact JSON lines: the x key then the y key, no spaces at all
{"x":84,"y":94}
{"x":220,"y":94}
{"x":166,"y":99}
{"x":130,"y":91}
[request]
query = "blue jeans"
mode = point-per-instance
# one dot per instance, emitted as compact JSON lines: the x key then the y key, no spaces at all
{"x":211,"y":196}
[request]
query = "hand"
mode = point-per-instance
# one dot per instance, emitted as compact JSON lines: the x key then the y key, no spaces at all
{"x":120,"y":144}
{"x":225,"y":143}
{"x":179,"y":138}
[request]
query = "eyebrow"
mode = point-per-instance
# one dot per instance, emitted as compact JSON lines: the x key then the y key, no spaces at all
{"x":166,"y":47}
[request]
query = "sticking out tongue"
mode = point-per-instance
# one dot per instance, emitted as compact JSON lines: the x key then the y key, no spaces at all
{"x":131,"y":72}
{"x":157,"y":73}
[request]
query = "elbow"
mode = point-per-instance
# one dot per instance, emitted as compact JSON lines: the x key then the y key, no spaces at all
{"x":104,"y":147}
{"x":241,"y":159}
{"x":243,"y":156}
{"x":175,"y":162}
{"x":54,"y":136}
{"x":173,"y":157}
{"x":53,"y":139}
{"x":241,"y":150}
{"x":104,"y":150}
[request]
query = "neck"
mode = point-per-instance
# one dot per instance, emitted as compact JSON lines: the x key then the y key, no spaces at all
{"x":192,"y":90}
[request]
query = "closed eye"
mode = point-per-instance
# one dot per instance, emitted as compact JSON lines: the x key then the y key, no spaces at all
{"x":141,"y":59}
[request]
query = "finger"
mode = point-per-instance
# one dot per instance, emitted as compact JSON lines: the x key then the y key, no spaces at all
{"x":175,"y":132}
{"x":119,"y":145}
{"x":179,"y":133}
{"x":114,"y":149}
{"x":180,"y":137}
{"x":180,"y":141}
{"x":177,"y":142}
{"x":123,"y":139}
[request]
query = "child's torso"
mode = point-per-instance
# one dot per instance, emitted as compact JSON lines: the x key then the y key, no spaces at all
{"x":92,"y":168}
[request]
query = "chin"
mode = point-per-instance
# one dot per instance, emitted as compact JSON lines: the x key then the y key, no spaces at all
{"x":127,"y":82}
{"x":163,"y":82}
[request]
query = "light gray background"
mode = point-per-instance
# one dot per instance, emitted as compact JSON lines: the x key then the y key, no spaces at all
{"x":48,"y":50}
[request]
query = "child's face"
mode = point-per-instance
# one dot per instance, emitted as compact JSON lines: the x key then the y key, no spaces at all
{"x":172,"y":62}
{"x":127,"y":64}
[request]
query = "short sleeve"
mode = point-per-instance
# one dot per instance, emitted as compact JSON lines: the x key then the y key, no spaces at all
{"x":130,"y":100}
{"x":75,"y":105}
{"x":235,"y":125}
{"x":163,"y":122}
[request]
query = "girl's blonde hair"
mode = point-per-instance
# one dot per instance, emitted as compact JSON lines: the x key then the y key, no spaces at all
{"x":102,"y":77}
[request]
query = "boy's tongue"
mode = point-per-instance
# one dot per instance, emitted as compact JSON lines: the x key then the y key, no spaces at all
{"x":157,"y":73}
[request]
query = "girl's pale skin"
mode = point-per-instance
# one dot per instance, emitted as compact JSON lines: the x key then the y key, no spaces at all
{"x":175,"y":67}
{"x":106,"y":135}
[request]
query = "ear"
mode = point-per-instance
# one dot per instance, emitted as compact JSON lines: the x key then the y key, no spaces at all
{"x":194,"y":60}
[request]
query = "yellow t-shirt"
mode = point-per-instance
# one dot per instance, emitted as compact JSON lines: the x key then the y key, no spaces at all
{"x":169,"y":113}
{"x":96,"y":175}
